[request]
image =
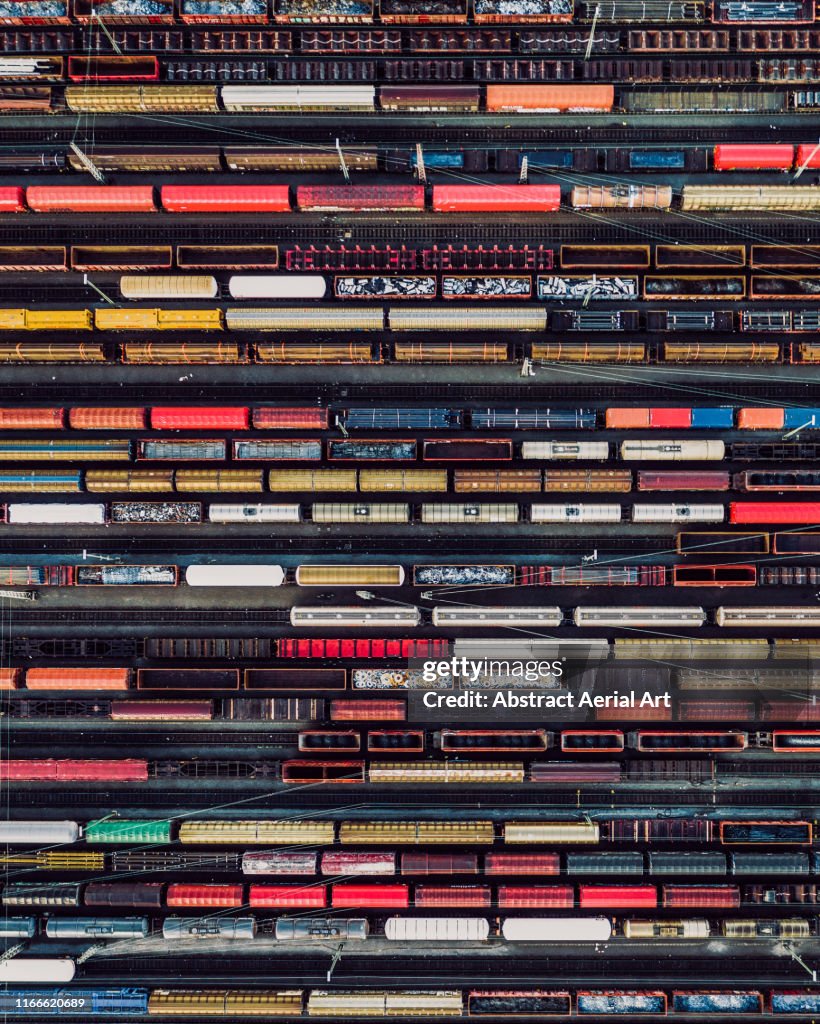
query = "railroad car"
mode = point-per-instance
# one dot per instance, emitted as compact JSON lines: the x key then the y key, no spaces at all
{"x":349,"y":575}
{"x":347,"y":617}
{"x":788,"y":513}
{"x":532,"y":419}
{"x":677,"y":513}
{"x":289,"y":287}
{"x":756,"y":616}
{"x":683,"y":480}
{"x":588,"y":480}
{"x":51,"y":1002}
{"x":556,"y":929}
{"x":479,"y":198}
{"x":640,"y":617}
{"x":584,"y":513}
{"x":674,"y":451}
{"x":496,"y":480}
{"x":553,"y":450}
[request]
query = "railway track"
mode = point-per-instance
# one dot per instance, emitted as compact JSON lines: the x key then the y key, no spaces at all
{"x":180,"y":544}
{"x":364,"y":971}
{"x":328,"y":392}
{"x":483,"y":131}
{"x":202,"y":794}
{"x":416,"y":230}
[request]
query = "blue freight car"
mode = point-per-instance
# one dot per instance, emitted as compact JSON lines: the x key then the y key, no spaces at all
{"x":390,"y":451}
{"x":54,"y":1002}
{"x":719,"y":417}
{"x":531,"y":419}
{"x":552,"y":158}
{"x":717,"y":1002}
{"x":434,"y":417}
{"x":657,"y":160}
{"x":807,"y":418}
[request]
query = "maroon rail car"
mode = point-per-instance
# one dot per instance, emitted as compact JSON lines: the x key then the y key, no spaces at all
{"x":490,"y":450}
{"x":553,"y":897}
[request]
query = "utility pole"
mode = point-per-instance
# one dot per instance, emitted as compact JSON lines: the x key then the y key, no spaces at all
{"x":591,"y":40}
{"x":19,"y":595}
{"x":421,"y":170}
{"x":523,"y":174}
{"x":796,"y":430}
{"x":108,"y":35}
{"x":342,"y":162}
{"x":799,"y":959}
{"x":806,"y":162}
{"x":88,"y":163}
{"x":337,"y":956}
{"x":99,"y":291}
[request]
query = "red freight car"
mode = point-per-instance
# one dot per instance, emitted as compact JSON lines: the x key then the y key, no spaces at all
{"x":360,"y":197}
{"x":518,"y":1004}
{"x":678,"y":896}
{"x":225,"y":198}
{"x":505,"y":198}
{"x":604,"y":741}
{"x":80,"y":418}
{"x":290,"y":418}
{"x":284,"y":895}
{"x":12,"y":199}
{"x":91,"y":198}
{"x":336,"y":772}
{"x":670,"y":419}
{"x":78,"y":678}
{"x":791,"y":711}
{"x":367,"y":710}
{"x":362,"y":648}
{"x":753,"y":157}
{"x":453,"y":896}
{"x":182,"y":417}
{"x":489,"y":450}
{"x":395,"y":741}
{"x":683,"y":480}
{"x":553,"y":897}
{"x":691,"y":742}
{"x":31,"y":419}
{"x":209,"y":894}
{"x":345,"y":862}
{"x":561,"y":98}
{"x":716,"y":710}
{"x":522,"y":864}
{"x":791,"y":741}
{"x":129,"y":770}
{"x":376,"y":896}
{"x":633,"y":714}
{"x":714,"y":576}
{"x":614,"y":896}
{"x":488,"y":741}
{"x":439,"y":864}
{"x":313,"y":740}
{"x":808,"y":155}
{"x":162,"y":710}
{"x":788,"y":512}
{"x":575,"y":771}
